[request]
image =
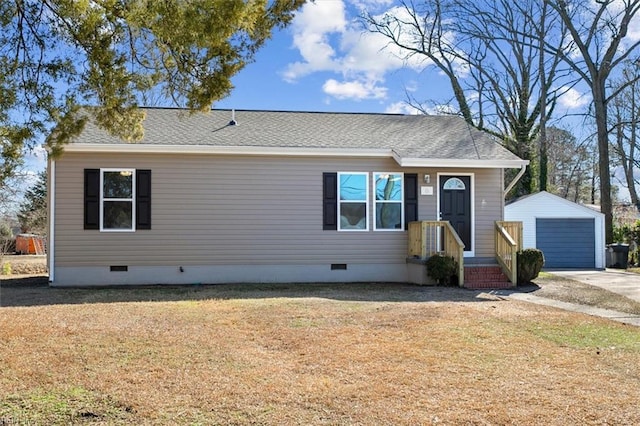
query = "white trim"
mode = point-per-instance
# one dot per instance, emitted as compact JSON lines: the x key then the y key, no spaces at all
{"x":457,"y":162}
{"x":472,"y":195}
{"x":228,"y":150}
{"x":293,"y":151}
{"x":374,"y":202}
{"x":366,"y":201}
{"x":132,"y":199}
{"x":52,"y":219}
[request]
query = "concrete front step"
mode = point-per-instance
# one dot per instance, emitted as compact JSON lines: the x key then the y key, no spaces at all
{"x":485,"y":277}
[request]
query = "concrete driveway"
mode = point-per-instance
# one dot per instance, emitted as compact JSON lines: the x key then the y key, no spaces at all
{"x":614,"y":280}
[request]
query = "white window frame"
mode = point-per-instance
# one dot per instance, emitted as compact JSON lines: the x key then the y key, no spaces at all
{"x":365,"y":201}
{"x":131,"y":200}
{"x":375,"y":202}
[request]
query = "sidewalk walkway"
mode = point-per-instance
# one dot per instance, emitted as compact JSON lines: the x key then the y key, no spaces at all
{"x":614,"y":280}
{"x":622,"y":317}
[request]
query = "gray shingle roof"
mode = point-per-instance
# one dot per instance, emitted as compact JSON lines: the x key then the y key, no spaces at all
{"x":409,"y":136}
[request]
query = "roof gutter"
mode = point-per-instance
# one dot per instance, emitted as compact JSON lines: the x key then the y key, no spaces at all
{"x":459,"y":162}
{"x":515,"y":180}
{"x":225,"y":150}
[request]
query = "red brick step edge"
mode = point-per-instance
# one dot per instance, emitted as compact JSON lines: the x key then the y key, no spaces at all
{"x":485,"y":277}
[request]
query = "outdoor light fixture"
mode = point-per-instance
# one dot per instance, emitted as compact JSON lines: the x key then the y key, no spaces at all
{"x":427,"y":178}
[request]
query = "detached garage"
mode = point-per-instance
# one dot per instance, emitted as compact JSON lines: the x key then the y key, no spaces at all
{"x":570,"y":235}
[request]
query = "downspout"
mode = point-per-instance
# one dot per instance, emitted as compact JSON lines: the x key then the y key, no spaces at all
{"x":52,"y":219}
{"x":515,"y":180}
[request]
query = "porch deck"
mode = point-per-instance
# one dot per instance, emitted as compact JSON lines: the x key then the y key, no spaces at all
{"x":428,"y":238}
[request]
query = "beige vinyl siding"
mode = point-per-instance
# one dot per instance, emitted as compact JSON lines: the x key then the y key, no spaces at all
{"x":238,"y":210}
{"x":220,"y":210}
{"x":488,"y":208}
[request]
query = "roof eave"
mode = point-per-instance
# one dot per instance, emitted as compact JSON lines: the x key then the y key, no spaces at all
{"x":226,"y":150}
{"x":461,"y":163}
{"x":142,"y":148}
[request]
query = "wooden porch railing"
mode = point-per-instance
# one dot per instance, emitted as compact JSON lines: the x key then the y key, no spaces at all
{"x":508,"y":238}
{"x":429,"y":237}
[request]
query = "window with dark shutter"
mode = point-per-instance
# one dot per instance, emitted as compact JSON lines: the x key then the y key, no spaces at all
{"x":410,"y":198}
{"x":91,"y":198}
{"x":330,"y":201}
{"x":116,"y":199}
{"x":143,"y":199}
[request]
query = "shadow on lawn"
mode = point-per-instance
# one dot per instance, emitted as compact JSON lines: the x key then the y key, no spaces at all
{"x":34,"y":292}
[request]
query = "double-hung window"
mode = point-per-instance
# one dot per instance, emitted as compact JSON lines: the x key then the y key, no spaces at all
{"x":345,"y":200}
{"x":353,"y":201}
{"x":117,"y":212}
{"x":117,"y":199}
{"x":388,"y":195}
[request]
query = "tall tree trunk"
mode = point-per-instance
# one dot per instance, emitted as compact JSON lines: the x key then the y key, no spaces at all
{"x":631,"y":181}
{"x":600,"y":109}
{"x":593,"y":181}
{"x":543,"y":160}
{"x":597,"y":31}
{"x":633,"y":194}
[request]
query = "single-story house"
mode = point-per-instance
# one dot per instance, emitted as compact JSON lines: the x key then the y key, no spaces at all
{"x":570,"y":235}
{"x":234,"y":196}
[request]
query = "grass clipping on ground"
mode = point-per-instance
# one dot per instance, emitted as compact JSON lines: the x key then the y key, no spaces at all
{"x":348,"y":355}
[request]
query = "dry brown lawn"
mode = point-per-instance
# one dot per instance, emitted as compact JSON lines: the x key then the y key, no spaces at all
{"x":350,"y":354}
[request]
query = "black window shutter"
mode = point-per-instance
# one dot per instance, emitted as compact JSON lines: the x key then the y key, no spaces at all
{"x":330,"y":201}
{"x":143,"y":199}
{"x":91,"y":198}
{"x":410,"y":198}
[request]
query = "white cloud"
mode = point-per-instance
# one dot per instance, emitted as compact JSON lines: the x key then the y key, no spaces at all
{"x":330,"y":39}
{"x":571,"y":99}
{"x":402,"y":108}
{"x":38,"y":152}
{"x":356,"y":90}
{"x":329,"y":42}
{"x":412,"y":86}
{"x":442,"y":109}
{"x":312,"y":28}
{"x":371,"y":4}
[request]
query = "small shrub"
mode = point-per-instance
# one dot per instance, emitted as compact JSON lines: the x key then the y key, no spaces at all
{"x":530,"y":262}
{"x":442,"y":268}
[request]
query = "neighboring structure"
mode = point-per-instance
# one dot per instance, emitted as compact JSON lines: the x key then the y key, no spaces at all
{"x":30,"y":244}
{"x":264,"y":196}
{"x":570,"y":235}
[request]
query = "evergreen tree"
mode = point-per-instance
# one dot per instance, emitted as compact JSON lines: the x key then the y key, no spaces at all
{"x":33,"y":211}
{"x":59,"y":55}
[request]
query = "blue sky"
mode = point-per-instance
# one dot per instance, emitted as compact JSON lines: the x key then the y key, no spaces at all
{"x":324,"y":62}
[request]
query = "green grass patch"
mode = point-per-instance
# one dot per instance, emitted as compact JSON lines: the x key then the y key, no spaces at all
{"x":544,"y":274}
{"x":61,"y":406}
{"x":589,"y":335}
